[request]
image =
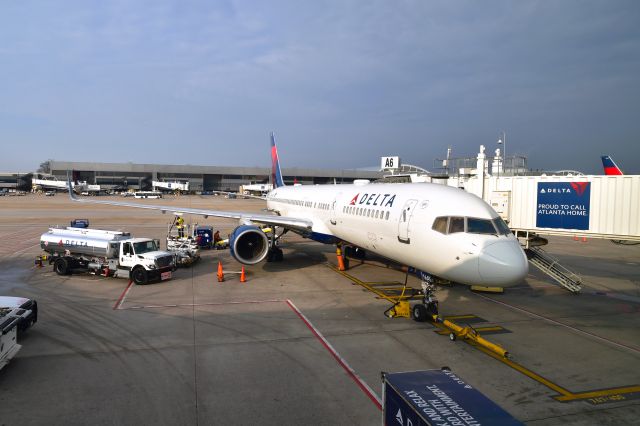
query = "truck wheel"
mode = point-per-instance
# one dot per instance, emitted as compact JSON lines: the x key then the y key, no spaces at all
{"x":139,"y":275}
{"x":419,"y":312}
{"x":61,"y":266}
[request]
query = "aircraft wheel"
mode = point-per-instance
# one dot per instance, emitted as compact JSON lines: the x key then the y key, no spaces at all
{"x":139,"y":275}
{"x":419,"y":312}
{"x":61,"y":266}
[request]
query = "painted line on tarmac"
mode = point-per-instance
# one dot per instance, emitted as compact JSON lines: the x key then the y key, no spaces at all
{"x":122,"y":296}
{"x":187,"y":305}
{"x":343,"y":363}
{"x":586,"y":333}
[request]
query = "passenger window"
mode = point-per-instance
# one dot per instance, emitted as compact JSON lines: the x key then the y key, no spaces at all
{"x":440,"y":225}
{"x":456,"y":224}
{"x":480,"y":226}
{"x":386,"y":216}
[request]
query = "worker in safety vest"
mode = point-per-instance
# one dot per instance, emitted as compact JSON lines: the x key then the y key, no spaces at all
{"x":180,"y":226}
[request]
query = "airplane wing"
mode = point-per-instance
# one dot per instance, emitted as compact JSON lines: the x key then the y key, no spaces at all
{"x":268,"y":219}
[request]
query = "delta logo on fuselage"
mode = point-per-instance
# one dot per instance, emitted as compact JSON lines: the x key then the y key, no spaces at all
{"x":374,"y":200}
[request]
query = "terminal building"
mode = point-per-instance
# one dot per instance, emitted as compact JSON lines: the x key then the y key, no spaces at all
{"x":123,"y":176}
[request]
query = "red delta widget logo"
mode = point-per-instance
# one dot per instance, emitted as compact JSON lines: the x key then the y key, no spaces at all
{"x":378,"y":200}
{"x":563,"y":205}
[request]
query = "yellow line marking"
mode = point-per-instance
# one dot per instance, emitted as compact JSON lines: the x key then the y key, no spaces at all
{"x":598,"y":393}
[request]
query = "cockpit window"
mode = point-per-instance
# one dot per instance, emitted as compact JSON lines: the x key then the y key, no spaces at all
{"x":480,"y":226}
{"x":440,"y":225}
{"x":456,"y":224}
{"x":501,"y":226}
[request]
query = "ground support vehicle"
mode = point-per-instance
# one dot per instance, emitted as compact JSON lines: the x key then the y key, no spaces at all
{"x":16,"y":315}
{"x":108,"y":253}
{"x":204,"y":236}
{"x":184,"y":249}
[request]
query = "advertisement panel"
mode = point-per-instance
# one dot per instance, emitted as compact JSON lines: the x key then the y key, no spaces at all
{"x":563,"y":205}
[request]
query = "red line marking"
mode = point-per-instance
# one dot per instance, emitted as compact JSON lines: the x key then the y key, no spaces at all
{"x":122,"y":296}
{"x":361,"y":384}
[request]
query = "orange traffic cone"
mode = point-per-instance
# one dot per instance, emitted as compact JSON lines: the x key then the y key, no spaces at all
{"x":584,"y":239}
{"x":220,"y":272}
{"x":340,"y":259}
{"x":243,"y":279}
{"x":575,"y":238}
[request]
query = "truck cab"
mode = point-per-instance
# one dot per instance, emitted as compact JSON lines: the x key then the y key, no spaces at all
{"x":145,"y":261}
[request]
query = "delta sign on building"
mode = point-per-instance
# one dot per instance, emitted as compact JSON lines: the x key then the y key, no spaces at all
{"x":563,"y":205}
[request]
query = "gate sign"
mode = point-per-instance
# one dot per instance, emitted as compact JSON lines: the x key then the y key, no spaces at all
{"x":389,"y":163}
{"x":437,"y":397}
{"x":563,"y":205}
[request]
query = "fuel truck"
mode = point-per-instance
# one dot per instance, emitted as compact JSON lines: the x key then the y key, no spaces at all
{"x":107,"y":253}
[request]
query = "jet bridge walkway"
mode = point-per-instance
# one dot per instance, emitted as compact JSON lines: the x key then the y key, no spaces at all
{"x":551,"y":266}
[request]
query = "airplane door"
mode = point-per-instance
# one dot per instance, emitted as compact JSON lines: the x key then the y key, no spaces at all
{"x":405,"y":218}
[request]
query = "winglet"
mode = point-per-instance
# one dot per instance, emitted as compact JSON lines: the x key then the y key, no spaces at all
{"x":276,"y":173}
{"x":72,"y":195}
{"x":610,"y":167}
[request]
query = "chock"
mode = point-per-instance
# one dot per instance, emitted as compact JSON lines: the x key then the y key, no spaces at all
{"x":400,"y":309}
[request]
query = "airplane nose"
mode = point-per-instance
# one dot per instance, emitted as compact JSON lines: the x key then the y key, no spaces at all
{"x":503,"y":264}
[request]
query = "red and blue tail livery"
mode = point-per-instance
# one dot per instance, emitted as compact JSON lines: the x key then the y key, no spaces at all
{"x":610,"y":168}
{"x":276,"y":173}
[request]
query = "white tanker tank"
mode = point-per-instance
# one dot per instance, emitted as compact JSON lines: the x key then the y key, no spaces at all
{"x":109,"y":253}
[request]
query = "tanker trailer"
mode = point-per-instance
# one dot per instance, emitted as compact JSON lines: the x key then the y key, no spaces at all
{"x":108,"y":253}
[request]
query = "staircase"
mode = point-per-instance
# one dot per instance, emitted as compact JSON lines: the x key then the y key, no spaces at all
{"x":551,"y":266}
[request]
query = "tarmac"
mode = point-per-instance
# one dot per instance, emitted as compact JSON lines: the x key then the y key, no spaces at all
{"x":299,"y":343}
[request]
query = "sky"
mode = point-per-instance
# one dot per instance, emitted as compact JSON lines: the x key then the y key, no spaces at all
{"x":341,"y":83}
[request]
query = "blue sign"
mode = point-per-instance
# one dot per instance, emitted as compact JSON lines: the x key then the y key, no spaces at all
{"x":438,"y":397}
{"x":563,"y":205}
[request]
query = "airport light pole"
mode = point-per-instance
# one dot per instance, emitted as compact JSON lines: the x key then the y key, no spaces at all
{"x":502,"y":140}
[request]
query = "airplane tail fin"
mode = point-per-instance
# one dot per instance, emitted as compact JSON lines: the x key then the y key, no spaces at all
{"x":276,"y":173}
{"x":610,"y":167}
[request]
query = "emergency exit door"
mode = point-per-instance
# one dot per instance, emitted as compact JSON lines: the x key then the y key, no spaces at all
{"x":405,"y":219}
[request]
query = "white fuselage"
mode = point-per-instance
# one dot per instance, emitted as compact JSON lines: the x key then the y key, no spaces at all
{"x":396,"y":221}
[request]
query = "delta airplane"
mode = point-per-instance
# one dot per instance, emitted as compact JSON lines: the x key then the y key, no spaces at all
{"x":610,"y":167}
{"x":440,"y":230}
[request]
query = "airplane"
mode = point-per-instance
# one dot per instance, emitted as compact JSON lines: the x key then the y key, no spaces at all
{"x":440,"y":230}
{"x":610,"y":167}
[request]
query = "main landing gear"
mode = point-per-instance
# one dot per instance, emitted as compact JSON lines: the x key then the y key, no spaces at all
{"x":275,"y":253}
{"x":428,"y":308}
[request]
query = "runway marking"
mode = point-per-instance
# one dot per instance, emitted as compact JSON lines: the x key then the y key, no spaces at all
{"x":343,"y":363}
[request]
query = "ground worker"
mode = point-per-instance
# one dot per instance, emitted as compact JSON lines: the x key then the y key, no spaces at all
{"x":180,"y":226}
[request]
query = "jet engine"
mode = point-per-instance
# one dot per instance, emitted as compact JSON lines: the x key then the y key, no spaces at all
{"x":248,"y":244}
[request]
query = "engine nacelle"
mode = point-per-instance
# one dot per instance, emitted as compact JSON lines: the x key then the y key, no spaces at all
{"x":248,"y":244}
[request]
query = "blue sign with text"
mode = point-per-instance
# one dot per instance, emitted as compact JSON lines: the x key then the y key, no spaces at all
{"x":437,"y":397}
{"x":563,"y":205}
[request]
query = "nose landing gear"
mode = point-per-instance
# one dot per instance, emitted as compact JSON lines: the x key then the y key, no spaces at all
{"x":428,"y":308}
